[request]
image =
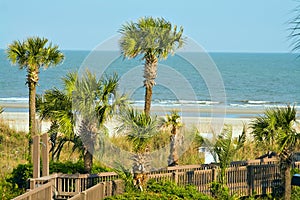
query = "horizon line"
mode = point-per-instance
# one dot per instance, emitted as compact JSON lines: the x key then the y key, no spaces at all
{"x":262,"y":52}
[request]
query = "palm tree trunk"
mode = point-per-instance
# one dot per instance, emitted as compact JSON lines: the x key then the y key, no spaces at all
{"x":287,"y":182}
{"x":150,"y":72}
{"x":173,"y":158}
{"x":88,"y":162}
{"x":32,"y":94}
{"x":148,"y":98}
{"x":32,"y":129}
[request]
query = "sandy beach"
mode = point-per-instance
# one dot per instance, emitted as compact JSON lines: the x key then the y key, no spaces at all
{"x":191,"y":117}
{"x":206,"y":119}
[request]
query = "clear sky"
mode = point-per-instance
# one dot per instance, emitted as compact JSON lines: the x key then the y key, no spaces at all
{"x":217,"y":25}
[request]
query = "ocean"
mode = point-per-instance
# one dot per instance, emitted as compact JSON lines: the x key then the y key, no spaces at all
{"x":251,"y":80}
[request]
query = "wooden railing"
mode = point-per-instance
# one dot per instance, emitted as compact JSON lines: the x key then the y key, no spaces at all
{"x":242,"y":178}
{"x":44,"y":192}
{"x":101,"y":191}
{"x":64,"y":186}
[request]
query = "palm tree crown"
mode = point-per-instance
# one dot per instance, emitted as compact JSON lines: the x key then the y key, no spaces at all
{"x":153,"y":38}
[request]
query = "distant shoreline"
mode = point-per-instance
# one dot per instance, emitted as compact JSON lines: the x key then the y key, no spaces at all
{"x":186,"y":110}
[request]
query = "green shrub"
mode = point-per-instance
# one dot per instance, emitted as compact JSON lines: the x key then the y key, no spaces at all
{"x":164,"y":190}
{"x":9,"y":190}
{"x":221,"y":192}
{"x":66,"y":167}
{"x":20,"y":175}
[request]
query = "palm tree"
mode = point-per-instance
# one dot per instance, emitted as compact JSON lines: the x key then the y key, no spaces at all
{"x":33,"y":54}
{"x":224,"y":149}
{"x":139,"y":129}
{"x":276,"y":128}
{"x":154,"y":39}
{"x":173,"y":121}
{"x":91,"y":103}
{"x":89,"y":99}
{"x":56,"y":106}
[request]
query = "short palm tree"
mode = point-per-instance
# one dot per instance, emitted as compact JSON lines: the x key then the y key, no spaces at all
{"x":173,"y":121}
{"x":56,"y":106}
{"x":276,"y":128}
{"x":86,"y":97}
{"x":224,"y":147}
{"x":154,"y":39}
{"x":139,"y":129}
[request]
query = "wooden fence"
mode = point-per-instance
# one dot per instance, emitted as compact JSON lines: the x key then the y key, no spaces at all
{"x":44,"y":192}
{"x":242,"y":178}
{"x":64,"y":186}
{"x":101,"y":190}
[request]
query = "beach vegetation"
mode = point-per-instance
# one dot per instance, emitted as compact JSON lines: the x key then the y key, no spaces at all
{"x":1,"y":109}
{"x":33,"y":54}
{"x":153,"y":39}
{"x":139,"y":130}
{"x":276,"y":128}
{"x":163,"y":190}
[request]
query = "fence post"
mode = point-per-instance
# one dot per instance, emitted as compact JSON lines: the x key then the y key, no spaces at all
{"x":31,"y":183}
{"x":102,"y":190}
{"x":108,"y":189}
{"x":214,"y":174}
{"x":45,"y":155}
{"x":118,"y":187}
{"x":175,"y":176}
{"x":36,"y":156}
{"x":250,"y":178}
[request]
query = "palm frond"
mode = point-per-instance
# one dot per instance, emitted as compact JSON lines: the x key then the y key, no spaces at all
{"x":150,"y":36}
{"x":33,"y":53}
{"x":1,"y":109}
{"x":138,"y":127}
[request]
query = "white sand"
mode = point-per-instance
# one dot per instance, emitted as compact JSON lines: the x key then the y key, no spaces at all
{"x":19,"y":121}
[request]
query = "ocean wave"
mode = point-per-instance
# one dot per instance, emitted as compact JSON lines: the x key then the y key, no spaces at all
{"x":14,"y":100}
{"x":176,"y":102}
{"x":258,"y":102}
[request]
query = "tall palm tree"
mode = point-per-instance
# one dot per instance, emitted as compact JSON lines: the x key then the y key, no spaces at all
{"x":139,"y":129}
{"x":33,"y":54}
{"x":154,"y":39}
{"x":276,"y":128}
{"x":173,"y":120}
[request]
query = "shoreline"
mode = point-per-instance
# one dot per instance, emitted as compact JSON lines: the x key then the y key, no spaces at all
{"x":205,"y":118}
{"x":201,"y":118}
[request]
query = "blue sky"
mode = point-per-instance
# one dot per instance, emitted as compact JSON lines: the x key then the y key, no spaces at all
{"x":217,"y":25}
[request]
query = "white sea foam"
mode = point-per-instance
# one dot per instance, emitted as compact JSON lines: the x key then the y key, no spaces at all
{"x":14,"y":100}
